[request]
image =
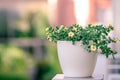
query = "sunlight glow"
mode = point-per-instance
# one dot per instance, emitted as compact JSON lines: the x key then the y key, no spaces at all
{"x":81,"y":11}
{"x":52,"y":9}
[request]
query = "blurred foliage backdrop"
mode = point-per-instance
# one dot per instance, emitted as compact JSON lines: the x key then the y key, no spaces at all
{"x":19,"y":35}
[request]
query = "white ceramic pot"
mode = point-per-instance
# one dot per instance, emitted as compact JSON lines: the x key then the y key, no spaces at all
{"x":75,"y":61}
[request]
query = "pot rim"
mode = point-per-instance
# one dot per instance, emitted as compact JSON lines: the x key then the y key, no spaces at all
{"x":77,"y":43}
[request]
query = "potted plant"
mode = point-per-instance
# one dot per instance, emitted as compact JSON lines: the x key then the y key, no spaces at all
{"x":78,"y":47}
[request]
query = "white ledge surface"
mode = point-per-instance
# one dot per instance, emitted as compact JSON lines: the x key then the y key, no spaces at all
{"x":61,"y":77}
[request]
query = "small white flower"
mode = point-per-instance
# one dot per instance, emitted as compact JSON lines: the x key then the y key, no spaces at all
{"x":61,"y":26}
{"x":93,"y":48}
{"x":46,"y":29}
{"x":117,"y":40}
{"x":70,"y":34}
{"x":74,"y":29}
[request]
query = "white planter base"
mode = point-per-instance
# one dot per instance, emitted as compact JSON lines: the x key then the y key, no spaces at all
{"x":75,"y":61}
{"x":94,"y":77}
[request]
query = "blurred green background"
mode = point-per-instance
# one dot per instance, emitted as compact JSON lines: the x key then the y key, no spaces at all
{"x":25,"y":54}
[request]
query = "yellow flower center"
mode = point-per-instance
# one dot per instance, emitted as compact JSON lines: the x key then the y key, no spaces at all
{"x":93,"y":48}
{"x":71,"y":34}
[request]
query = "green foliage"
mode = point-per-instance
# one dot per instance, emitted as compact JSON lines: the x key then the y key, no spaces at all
{"x":94,"y":37}
{"x":41,"y":23}
{"x":49,"y":66}
{"x":53,"y":59}
{"x":14,"y":63}
{"x":44,"y":68}
{"x":6,"y":76}
{"x":3,"y":24}
{"x":36,"y":23}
